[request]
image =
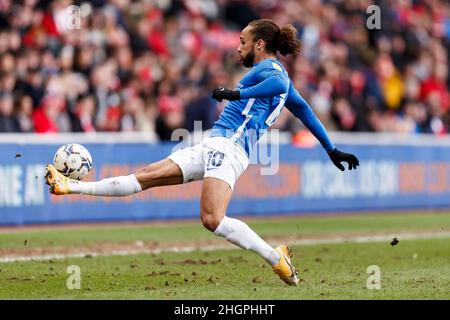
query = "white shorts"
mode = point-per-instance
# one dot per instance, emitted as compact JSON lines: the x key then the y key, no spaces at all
{"x":216,"y":157}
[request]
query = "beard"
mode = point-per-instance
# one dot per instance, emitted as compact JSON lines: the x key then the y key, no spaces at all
{"x":248,"y":60}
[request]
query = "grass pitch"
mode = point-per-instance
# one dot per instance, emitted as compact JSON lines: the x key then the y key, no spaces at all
{"x":412,"y":269}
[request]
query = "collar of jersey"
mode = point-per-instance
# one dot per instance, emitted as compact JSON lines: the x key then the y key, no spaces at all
{"x":274,"y":60}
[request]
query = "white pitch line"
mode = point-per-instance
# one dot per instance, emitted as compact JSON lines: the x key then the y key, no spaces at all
{"x":302,"y":242}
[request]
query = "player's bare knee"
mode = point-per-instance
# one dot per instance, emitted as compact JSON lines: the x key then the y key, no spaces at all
{"x":210,"y":221}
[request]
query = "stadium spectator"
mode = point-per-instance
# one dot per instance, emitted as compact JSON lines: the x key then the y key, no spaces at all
{"x":24,"y":113}
{"x":8,"y":123}
{"x":129,"y":58}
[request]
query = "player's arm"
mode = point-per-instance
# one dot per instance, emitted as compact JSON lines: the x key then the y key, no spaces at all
{"x":301,"y":109}
{"x":272,"y":83}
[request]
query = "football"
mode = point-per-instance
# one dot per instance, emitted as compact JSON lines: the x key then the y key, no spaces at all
{"x":73,"y":160}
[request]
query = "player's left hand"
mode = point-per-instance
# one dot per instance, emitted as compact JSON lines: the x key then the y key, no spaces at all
{"x":221,"y":92}
{"x":337,"y":157}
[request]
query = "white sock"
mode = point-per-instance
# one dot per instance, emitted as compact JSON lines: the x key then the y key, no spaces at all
{"x":111,"y":187}
{"x":240,"y":234}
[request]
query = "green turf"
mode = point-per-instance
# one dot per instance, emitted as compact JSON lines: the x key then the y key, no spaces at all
{"x":287,"y":226}
{"x":413,"y":269}
{"x":327,"y":271}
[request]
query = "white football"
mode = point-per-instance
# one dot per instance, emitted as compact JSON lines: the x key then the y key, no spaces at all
{"x":73,"y":160}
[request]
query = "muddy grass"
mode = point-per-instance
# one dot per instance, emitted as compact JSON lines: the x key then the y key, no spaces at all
{"x":111,"y":248}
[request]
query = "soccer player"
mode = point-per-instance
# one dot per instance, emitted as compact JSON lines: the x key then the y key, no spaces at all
{"x":220,"y":159}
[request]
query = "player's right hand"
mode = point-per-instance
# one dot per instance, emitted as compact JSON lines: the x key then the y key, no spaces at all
{"x":337,"y":157}
{"x":221,"y":92}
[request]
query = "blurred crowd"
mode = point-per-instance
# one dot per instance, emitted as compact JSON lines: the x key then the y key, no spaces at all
{"x":150,"y":65}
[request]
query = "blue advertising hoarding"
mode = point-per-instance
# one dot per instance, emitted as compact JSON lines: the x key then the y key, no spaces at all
{"x":305,"y":181}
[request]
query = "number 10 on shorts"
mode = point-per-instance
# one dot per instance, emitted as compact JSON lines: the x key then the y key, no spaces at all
{"x":215,"y":159}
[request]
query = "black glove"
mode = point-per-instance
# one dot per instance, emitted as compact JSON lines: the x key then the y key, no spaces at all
{"x":338,"y":156}
{"x":220,"y":93}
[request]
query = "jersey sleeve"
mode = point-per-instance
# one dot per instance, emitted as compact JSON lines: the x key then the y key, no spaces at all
{"x":272,"y":82}
{"x":301,"y":109}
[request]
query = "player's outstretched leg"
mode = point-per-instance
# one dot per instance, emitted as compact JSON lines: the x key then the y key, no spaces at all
{"x":216,"y":195}
{"x":161,"y":173}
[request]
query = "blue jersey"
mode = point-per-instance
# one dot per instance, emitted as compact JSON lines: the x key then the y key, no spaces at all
{"x":264,"y":90}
